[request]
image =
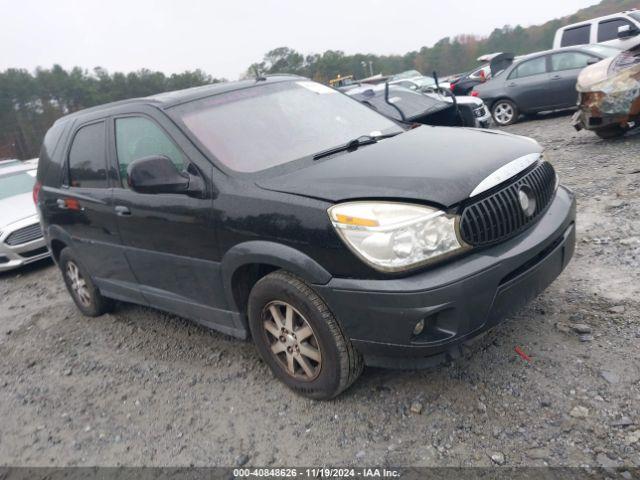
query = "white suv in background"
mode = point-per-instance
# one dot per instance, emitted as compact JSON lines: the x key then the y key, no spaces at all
{"x":621,"y":30}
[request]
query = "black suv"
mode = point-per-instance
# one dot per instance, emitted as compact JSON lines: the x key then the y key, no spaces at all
{"x":286,"y":210}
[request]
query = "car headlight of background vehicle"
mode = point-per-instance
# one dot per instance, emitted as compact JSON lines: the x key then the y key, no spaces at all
{"x":392,"y":236}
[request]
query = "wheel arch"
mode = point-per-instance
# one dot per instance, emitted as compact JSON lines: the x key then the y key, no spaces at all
{"x":244,"y":264}
{"x":58,"y":240}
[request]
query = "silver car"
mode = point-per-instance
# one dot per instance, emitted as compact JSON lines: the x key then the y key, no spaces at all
{"x":21,"y":239}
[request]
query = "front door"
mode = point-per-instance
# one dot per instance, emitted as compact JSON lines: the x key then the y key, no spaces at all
{"x":169,"y":239}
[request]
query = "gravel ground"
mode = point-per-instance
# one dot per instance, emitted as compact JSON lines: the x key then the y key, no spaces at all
{"x":140,"y":387}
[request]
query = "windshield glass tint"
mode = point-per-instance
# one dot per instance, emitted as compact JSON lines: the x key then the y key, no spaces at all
{"x":635,"y":15}
{"x":16,"y":184}
{"x":257,"y":128}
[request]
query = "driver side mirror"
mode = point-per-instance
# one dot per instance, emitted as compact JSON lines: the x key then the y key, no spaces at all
{"x":158,"y":174}
{"x":626,"y":31}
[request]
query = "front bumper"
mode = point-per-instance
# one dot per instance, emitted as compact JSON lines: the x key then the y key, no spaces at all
{"x":587,"y":120}
{"x":459,"y":300}
{"x":14,"y":256}
{"x":484,"y":121}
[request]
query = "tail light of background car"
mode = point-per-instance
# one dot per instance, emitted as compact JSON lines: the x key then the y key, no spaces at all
{"x":474,"y":93}
{"x":36,"y":191}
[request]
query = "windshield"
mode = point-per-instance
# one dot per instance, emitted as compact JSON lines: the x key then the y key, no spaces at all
{"x":635,"y":15}
{"x":257,"y":128}
{"x":603,"y":50}
{"x":16,"y":184}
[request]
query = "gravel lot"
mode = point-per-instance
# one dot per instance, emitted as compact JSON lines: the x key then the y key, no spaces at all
{"x":140,"y":387}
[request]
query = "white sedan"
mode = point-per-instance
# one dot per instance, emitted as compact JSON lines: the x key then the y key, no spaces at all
{"x":21,"y":239}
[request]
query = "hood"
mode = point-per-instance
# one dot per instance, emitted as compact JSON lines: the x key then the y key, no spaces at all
{"x":16,"y":208}
{"x":440,"y":165}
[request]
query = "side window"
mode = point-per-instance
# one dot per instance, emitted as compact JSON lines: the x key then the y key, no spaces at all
{"x":608,"y":29}
{"x":530,"y":68}
{"x":87,"y":158}
{"x":138,"y":137}
{"x":569,"y":61}
{"x":576,"y":36}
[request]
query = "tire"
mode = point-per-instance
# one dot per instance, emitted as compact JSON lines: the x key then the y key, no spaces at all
{"x":505,"y":112}
{"x":612,"y":131}
{"x":332,"y":363}
{"x":80,"y":286}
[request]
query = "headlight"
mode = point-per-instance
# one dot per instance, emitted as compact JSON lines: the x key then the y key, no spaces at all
{"x":392,"y":237}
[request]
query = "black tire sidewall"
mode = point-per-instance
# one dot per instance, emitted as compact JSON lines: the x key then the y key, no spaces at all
{"x":94,"y":309}
{"x":327,"y":383}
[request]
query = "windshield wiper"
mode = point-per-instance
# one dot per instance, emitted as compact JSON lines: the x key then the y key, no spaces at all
{"x":353,"y":145}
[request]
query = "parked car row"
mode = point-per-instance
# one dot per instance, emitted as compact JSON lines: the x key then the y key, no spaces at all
{"x":541,"y":81}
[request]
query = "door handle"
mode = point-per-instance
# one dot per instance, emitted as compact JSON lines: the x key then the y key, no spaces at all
{"x":556,"y":77}
{"x":122,"y":211}
{"x":513,"y":84}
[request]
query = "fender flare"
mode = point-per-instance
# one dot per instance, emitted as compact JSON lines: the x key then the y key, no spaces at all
{"x":54,"y":232}
{"x":269,"y":253}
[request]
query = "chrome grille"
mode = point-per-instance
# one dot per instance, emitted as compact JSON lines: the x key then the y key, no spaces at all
{"x":499,"y":214}
{"x":24,"y":235}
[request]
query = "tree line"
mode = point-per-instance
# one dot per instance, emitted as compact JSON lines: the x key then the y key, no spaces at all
{"x":31,"y":101}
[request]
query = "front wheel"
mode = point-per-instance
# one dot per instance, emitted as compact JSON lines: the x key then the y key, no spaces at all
{"x":505,"y":112}
{"x":299,"y":338}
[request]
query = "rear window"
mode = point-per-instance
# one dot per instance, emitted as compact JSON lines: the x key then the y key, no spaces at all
{"x":51,"y":138}
{"x":576,"y":36}
{"x":16,"y":184}
{"x":569,"y":61}
{"x":529,"y":68}
{"x":87,"y":158}
{"x":608,"y":30}
{"x":603,"y":50}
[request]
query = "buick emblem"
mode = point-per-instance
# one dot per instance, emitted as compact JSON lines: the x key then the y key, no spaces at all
{"x":527,"y":200}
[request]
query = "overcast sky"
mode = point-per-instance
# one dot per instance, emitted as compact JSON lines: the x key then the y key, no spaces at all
{"x":225,"y":37}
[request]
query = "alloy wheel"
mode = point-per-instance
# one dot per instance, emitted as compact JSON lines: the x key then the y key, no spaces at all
{"x":292,"y":341}
{"x":503,"y":113}
{"x":78,"y":284}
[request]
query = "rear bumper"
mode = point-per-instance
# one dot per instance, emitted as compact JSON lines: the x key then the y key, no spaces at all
{"x":459,"y":300}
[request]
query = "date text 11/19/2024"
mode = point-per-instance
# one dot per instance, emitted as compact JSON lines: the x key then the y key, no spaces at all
{"x":324,"y":472}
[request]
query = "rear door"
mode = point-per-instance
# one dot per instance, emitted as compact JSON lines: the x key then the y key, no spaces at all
{"x":170,"y":239}
{"x":565,"y":68}
{"x":83,"y":208}
{"x":528,"y":84}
